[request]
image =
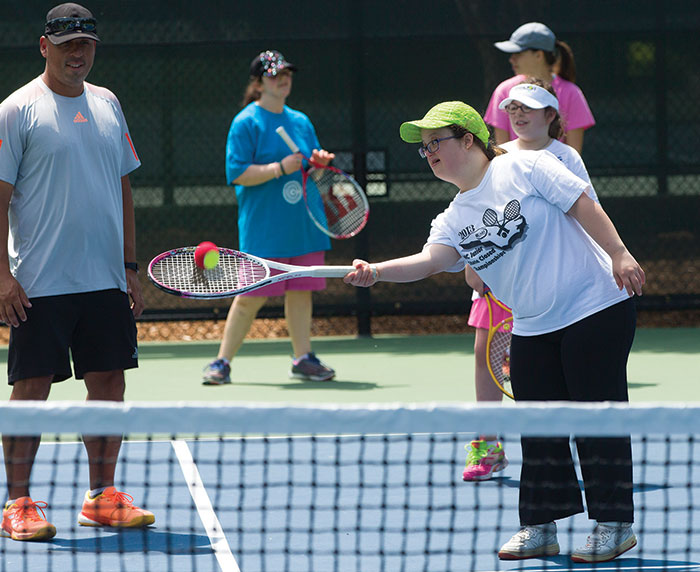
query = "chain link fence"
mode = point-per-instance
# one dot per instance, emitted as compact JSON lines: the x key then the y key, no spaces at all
{"x":179,"y":70}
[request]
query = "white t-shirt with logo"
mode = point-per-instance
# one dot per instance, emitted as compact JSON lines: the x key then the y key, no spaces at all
{"x":65,"y":157}
{"x":513,"y":230}
{"x":567,"y":155}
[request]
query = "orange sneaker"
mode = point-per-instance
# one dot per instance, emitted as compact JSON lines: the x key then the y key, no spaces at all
{"x":21,"y":520}
{"x":112,"y":508}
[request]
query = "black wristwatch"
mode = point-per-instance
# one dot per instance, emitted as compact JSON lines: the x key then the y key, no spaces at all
{"x":131,"y":266}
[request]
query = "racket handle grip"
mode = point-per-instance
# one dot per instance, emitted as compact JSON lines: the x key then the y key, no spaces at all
{"x":287,"y":139}
{"x":330,"y":271}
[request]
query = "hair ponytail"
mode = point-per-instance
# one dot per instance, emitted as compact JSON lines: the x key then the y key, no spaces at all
{"x":564,"y":59}
{"x":252,"y":91}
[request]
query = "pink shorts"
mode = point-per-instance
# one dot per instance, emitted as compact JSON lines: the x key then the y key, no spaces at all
{"x":279,"y":288}
{"x":479,"y":314}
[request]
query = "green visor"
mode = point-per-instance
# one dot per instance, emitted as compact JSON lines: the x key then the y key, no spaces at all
{"x":443,"y":115}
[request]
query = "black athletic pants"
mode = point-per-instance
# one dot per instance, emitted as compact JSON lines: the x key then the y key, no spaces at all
{"x":586,"y":361}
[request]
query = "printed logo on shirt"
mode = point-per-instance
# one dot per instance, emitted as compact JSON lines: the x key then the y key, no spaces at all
{"x":292,"y":192}
{"x":0,"y":143}
{"x":79,"y":118}
{"x":499,"y":234}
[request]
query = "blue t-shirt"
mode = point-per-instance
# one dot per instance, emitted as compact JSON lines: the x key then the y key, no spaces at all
{"x":272,"y":217}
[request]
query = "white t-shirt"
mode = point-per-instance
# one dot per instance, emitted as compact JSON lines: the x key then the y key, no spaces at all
{"x":65,"y":157}
{"x":513,"y":230}
{"x":567,"y":155}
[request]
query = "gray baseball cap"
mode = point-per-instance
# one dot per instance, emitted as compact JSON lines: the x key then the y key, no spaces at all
{"x":530,"y":36}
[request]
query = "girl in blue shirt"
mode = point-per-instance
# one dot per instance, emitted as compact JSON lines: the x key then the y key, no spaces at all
{"x":272,"y":219}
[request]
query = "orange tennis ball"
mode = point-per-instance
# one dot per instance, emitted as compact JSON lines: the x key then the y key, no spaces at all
{"x":206,"y":255}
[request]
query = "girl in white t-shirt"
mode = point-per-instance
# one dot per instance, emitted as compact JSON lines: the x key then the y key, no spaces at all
{"x":533,"y":110}
{"x":554,"y":256}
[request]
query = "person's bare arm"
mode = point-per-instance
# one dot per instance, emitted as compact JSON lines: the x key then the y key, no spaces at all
{"x":574,"y":138}
{"x":133,"y":286}
{"x":13,"y":299}
{"x":259,"y":174}
{"x":473,"y":280}
{"x":431,"y":260}
{"x":500,"y":136}
{"x":594,"y":220}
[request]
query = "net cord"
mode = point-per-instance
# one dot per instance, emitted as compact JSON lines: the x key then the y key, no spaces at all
{"x":532,"y":418}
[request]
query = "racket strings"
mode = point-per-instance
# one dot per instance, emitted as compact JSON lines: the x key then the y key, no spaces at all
{"x":499,"y":357}
{"x":342,"y":208}
{"x":179,"y":272}
{"x":512,"y":210}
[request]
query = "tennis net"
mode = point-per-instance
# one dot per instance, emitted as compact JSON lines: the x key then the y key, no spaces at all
{"x":260,"y":487}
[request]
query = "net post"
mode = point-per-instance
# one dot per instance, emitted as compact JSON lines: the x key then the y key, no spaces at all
{"x":359,"y":146}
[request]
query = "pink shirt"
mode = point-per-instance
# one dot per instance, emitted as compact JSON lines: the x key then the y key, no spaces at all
{"x":573,"y":106}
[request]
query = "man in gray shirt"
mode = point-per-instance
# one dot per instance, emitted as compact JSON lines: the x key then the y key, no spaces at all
{"x":68,"y":279}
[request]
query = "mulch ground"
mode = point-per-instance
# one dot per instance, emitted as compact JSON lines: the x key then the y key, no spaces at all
{"x":203,"y":330}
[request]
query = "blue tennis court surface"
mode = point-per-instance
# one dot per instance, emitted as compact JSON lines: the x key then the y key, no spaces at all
{"x":304,"y":504}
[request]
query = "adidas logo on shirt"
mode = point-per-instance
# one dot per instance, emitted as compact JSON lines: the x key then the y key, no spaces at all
{"x":79,"y":118}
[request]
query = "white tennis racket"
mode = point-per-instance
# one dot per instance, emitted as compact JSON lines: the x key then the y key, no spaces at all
{"x":175,"y":272}
{"x":334,"y":200}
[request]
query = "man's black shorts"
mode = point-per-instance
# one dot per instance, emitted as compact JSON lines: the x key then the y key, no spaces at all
{"x":97,"y":328}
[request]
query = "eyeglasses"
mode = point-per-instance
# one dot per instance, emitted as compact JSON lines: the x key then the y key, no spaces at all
{"x":511,"y":108}
{"x":433,"y":146}
{"x":63,"y":25}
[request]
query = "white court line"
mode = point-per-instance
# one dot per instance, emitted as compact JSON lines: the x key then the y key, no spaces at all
{"x":211,"y":523}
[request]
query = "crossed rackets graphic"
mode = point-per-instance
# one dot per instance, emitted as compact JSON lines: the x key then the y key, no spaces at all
{"x":510,"y":213}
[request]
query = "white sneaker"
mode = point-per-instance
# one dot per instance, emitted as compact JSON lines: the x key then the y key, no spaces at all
{"x":531,"y":541}
{"x":608,"y":541}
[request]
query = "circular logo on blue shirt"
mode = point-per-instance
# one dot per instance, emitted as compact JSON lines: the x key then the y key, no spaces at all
{"x":292,"y":192}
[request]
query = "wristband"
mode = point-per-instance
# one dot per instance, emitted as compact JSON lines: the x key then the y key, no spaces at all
{"x":282,"y":168}
{"x":131,"y":266}
{"x":375,"y":272}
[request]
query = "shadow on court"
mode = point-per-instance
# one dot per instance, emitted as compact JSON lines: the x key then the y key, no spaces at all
{"x":380,"y":369}
{"x":563,"y":563}
{"x":144,"y":540}
{"x":333,"y":385}
{"x":512,"y":483}
{"x":641,"y":385}
{"x":397,"y":345}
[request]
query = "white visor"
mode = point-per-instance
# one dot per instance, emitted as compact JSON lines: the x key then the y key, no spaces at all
{"x":533,"y":96}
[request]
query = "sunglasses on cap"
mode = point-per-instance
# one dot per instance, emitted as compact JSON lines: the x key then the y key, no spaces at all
{"x":66,"y":25}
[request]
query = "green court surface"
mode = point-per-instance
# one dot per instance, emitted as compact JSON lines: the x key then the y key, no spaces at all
{"x":664,"y":366}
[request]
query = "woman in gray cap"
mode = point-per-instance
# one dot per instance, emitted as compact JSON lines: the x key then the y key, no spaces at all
{"x":535,"y":51}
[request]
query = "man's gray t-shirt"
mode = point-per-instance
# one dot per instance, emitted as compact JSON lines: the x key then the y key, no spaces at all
{"x":65,"y":157}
